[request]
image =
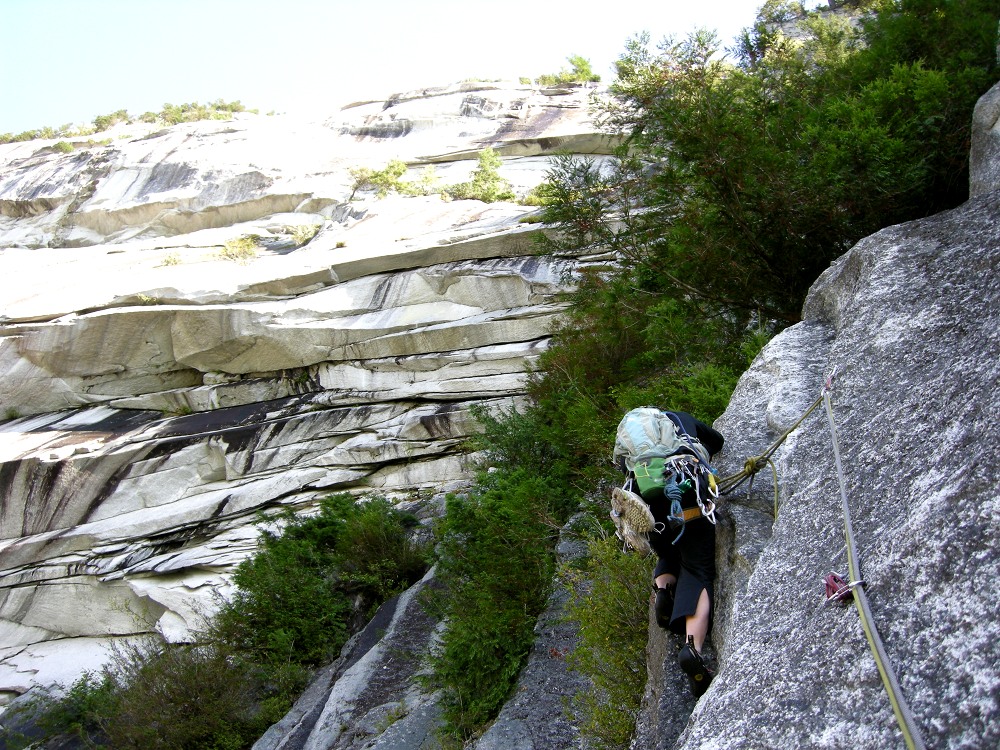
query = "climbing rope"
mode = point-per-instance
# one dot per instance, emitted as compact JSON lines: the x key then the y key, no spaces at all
{"x":755,"y":463}
{"x":907,"y":724}
{"x":837,"y":589}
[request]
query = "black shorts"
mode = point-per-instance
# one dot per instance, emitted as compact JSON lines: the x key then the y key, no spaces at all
{"x":691,"y":560}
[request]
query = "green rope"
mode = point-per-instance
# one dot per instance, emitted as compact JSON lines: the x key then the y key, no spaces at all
{"x":907,"y":724}
{"x":904,"y":717}
{"x":754,"y":464}
{"x":774,"y":472}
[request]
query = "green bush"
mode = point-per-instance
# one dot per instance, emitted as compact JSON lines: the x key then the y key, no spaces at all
{"x":287,"y":606}
{"x":160,"y":696}
{"x":537,"y":196}
{"x":496,"y":563}
{"x":169,"y":697}
{"x":295,"y":598}
{"x":389,"y":180}
{"x":75,"y":713}
{"x":759,"y":172}
{"x":513,"y":440}
{"x":173,"y":114}
{"x":241,"y":249}
{"x":376,"y":554}
{"x":303,"y":233}
{"x":580,"y":71}
{"x":486,"y":184}
{"x":103,"y":122}
{"x":703,"y":390}
{"x":428,"y":184}
{"x":612,"y":617}
{"x":27,"y":135}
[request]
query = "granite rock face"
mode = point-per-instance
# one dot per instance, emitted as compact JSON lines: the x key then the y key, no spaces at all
{"x":984,"y":157}
{"x":907,"y":320}
{"x":158,"y":395}
{"x":168,"y":395}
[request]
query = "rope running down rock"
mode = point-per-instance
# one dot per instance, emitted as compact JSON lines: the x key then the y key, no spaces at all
{"x":904,"y":717}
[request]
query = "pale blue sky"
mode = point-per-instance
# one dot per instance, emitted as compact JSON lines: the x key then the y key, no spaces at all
{"x":67,"y":61}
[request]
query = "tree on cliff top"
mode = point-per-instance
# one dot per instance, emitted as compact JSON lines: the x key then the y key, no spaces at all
{"x":580,"y":71}
{"x":757,"y":173}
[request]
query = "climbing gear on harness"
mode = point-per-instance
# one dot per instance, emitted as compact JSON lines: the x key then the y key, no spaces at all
{"x":688,"y":472}
{"x":680,"y":516}
{"x":684,"y":473}
{"x":907,"y":724}
{"x":694,"y":667}
{"x":663,"y":605}
{"x":633,"y":520}
{"x":837,"y":589}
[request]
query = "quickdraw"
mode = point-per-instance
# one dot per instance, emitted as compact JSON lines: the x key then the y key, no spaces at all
{"x":839,"y":590}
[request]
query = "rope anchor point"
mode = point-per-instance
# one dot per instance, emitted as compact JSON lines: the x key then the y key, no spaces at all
{"x":839,"y":590}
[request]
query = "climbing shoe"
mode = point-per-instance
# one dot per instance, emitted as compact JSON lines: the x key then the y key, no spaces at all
{"x":663,"y":606}
{"x":695,"y":668}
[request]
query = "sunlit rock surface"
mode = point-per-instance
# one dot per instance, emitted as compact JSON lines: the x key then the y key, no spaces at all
{"x":158,"y":396}
{"x":908,"y":322}
{"x":167,"y":396}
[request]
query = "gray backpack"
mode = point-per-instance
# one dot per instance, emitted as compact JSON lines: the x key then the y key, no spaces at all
{"x":646,"y":437}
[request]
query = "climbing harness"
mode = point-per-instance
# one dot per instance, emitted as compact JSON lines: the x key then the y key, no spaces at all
{"x":907,"y":724}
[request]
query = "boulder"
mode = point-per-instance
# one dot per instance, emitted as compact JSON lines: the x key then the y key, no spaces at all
{"x":984,"y":157}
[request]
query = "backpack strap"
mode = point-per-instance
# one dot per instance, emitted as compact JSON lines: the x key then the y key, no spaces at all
{"x":677,"y":421}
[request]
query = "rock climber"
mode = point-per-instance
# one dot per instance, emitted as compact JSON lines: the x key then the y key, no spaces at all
{"x":685,"y":549}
